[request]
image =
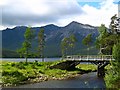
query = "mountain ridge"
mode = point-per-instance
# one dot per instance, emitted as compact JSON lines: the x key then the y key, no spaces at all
{"x":53,"y":25}
{"x":12,"y":38}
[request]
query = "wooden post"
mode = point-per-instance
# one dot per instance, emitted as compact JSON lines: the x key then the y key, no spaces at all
{"x":100,"y":71}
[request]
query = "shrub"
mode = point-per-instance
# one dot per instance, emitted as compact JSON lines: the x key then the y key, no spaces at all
{"x":13,"y":64}
{"x":20,"y":66}
{"x":33,"y":66}
{"x":4,"y":73}
{"x":11,"y":73}
{"x":13,"y":80}
{"x":113,"y":74}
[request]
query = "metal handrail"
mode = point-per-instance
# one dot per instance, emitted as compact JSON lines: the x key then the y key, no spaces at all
{"x":90,"y":57}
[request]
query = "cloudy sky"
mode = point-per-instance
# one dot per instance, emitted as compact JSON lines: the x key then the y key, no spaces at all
{"x":58,"y":12}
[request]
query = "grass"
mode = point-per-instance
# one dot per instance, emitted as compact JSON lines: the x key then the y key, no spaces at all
{"x":15,"y":73}
{"x":87,"y":67}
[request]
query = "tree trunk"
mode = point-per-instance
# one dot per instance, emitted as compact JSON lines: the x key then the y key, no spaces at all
{"x":26,"y":59}
{"x":71,"y":51}
{"x":65,"y":52}
{"x":88,"y":51}
{"x":26,"y":56}
{"x":42,"y":54}
{"x":100,"y":51}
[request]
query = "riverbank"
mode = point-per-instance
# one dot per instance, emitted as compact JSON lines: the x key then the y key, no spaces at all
{"x":19,"y":73}
{"x":112,"y":79}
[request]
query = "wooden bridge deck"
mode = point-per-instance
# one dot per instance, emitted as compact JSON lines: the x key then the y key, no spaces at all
{"x":89,"y":58}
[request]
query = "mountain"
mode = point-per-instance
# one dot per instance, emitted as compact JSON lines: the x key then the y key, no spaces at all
{"x":12,"y":38}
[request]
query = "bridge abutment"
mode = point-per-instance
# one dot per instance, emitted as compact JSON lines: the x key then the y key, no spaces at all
{"x":100,"y":71}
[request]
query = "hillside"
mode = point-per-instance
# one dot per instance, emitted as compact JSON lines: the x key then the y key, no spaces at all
{"x":12,"y":38}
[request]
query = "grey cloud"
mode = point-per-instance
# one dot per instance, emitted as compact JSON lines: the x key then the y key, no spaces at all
{"x":30,"y":19}
{"x":12,"y":16}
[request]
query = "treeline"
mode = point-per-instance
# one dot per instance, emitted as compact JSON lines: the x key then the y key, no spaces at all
{"x":108,"y":37}
{"x":67,"y":44}
{"x":6,"y":53}
{"x":108,"y":43}
{"x":25,"y":51}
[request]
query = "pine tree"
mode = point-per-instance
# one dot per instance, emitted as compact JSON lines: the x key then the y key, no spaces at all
{"x":41,"y":43}
{"x":72,"y":42}
{"x":87,"y":40}
{"x":68,"y":43}
{"x":64,"y":46}
{"x":27,"y":44}
{"x":100,"y":41}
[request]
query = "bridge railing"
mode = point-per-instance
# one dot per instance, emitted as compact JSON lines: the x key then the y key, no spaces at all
{"x":90,"y":57}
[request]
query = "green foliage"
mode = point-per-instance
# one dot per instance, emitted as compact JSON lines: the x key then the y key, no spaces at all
{"x":113,"y":74}
{"x":21,"y":72}
{"x":12,"y":77}
{"x":52,"y":46}
{"x":87,"y":40}
{"x":41,"y":43}
{"x":108,"y":37}
{"x":64,"y":46}
{"x":11,"y":73}
{"x":87,"y":67}
{"x":68,"y":43}
{"x":55,"y":73}
{"x":13,"y":80}
{"x":29,"y":34}
{"x":27,"y":44}
{"x":106,"y":43}
{"x":72,"y":41}
{"x":116,"y":52}
{"x":109,"y":43}
{"x":102,"y":34}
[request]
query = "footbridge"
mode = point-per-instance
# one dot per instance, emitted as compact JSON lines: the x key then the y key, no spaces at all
{"x":100,"y":60}
{"x":71,"y":61}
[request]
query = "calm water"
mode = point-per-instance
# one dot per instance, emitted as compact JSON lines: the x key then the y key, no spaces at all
{"x":89,"y":80}
{"x":33,"y":59}
{"x":29,"y":59}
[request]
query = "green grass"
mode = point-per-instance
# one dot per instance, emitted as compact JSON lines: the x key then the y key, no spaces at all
{"x":87,"y":67}
{"x":15,"y":73}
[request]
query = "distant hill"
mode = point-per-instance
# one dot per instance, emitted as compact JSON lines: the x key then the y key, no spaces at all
{"x":12,"y":38}
{"x":9,"y":53}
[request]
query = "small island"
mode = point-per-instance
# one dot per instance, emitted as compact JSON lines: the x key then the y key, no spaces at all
{"x":19,"y":73}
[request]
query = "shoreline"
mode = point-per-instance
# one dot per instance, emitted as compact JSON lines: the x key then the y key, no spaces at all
{"x":36,"y":72}
{"x":39,"y":80}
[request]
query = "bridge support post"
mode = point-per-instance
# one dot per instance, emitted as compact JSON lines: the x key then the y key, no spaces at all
{"x":100,"y":71}
{"x":73,"y":65}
